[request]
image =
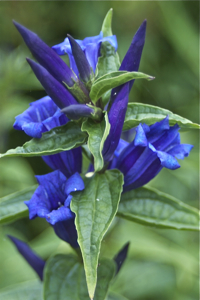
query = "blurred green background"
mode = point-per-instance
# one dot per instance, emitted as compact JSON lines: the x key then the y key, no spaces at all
{"x":162,"y":264}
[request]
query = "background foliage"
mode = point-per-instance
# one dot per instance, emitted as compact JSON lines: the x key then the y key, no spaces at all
{"x":162,"y":264}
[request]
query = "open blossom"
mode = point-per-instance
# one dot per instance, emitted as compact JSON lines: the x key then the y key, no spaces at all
{"x":89,"y":45}
{"x":51,"y":201}
{"x":153,"y":148}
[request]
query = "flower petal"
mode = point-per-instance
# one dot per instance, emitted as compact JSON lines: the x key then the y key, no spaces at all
{"x":180,"y":151}
{"x":66,"y":231}
{"x":167,"y":160}
{"x":74,"y":183}
{"x":68,"y":162}
{"x":61,"y":214}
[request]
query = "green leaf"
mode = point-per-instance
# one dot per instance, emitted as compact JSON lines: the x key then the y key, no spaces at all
{"x":144,"y":113}
{"x":30,"y":290}
{"x":151,"y":207}
{"x":65,"y":278}
{"x":112,"y":80}
{"x":12,"y":207}
{"x":107,"y":22}
{"x":95,"y":208}
{"x":98,"y":133}
{"x":58,"y":139}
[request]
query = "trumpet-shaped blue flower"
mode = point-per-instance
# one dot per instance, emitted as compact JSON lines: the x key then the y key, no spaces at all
{"x":51,"y":201}
{"x":36,"y":262}
{"x":153,"y":148}
{"x":90,"y":46}
{"x":41,"y":116}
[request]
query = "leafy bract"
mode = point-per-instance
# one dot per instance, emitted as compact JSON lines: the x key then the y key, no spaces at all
{"x":95,"y":208}
{"x":151,"y":207}
{"x":112,"y":80}
{"x":65,"y":279}
{"x":107,"y":22}
{"x":97,"y":133}
{"x":144,"y":113}
{"x":58,"y":139}
{"x":31,"y":290}
{"x":12,"y":207}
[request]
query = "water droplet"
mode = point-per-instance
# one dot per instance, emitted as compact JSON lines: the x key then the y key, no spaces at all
{"x":75,"y":189}
{"x":97,"y":199}
{"x":59,"y":203}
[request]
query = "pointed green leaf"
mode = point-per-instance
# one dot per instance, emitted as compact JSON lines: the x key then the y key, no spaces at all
{"x":95,"y":208}
{"x":112,"y":80}
{"x":29,"y":290}
{"x":65,"y":278}
{"x":12,"y":207}
{"x":151,"y":207}
{"x":56,"y":140}
{"x":144,"y":113}
{"x":97,"y":133}
{"x":107,"y":22}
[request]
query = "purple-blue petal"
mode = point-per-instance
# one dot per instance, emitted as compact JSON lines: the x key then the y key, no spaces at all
{"x":140,"y":137}
{"x":74,"y":183}
{"x":167,"y":160}
{"x":68,"y":162}
{"x":60,"y":214}
{"x":66,"y":231}
{"x":29,"y":255}
{"x":59,"y":94}
{"x":180,"y":151}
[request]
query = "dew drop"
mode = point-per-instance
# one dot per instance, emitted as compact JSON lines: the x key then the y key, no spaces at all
{"x":75,"y":189}
{"x":97,"y":199}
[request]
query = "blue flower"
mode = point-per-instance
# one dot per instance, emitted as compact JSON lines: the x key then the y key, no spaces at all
{"x":119,"y":96}
{"x":51,"y":201}
{"x":41,"y":116}
{"x":153,"y":148}
{"x":90,"y":46}
{"x":29,"y":255}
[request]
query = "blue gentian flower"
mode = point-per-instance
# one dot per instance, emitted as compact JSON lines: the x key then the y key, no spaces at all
{"x":41,"y":116}
{"x":51,"y":201}
{"x":153,"y":148}
{"x":119,"y":96}
{"x":90,"y":46}
{"x":36,"y":262}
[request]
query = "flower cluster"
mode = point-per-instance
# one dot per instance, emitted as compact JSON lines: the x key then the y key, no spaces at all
{"x":152,"y":148}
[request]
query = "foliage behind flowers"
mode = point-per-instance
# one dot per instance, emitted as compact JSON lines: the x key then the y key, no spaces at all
{"x":83,"y":99}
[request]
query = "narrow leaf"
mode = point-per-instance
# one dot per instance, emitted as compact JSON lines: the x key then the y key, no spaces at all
{"x":112,"y":80}
{"x":12,"y":207}
{"x":95,"y":208}
{"x":97,"y":133}
{"x":107,"y":22}
{"x":151,"y":207}
{"x":65,"y":278}
{"x":113,"y":296}
{"x":58,"y":139}
{"x":31,"y":290}
{"x":144,"y":113}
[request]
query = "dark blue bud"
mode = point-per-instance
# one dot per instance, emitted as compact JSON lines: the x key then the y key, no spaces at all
{"x":59,"y":94}
{"x":78,"y":111}
{"x":81,"y":61}
{"x":46,"y":56}
{"x":33,"y":259}
{"x":121,"y":256}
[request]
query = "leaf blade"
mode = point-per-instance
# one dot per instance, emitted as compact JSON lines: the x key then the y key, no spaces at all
{"x":65,"y":278}
{"x":97,"y":133}
{"x":58,"y":139}
{"x":112,"y":80}
{"x":13,"y":207}
{"x":144,"y":113}
{"x":151,"y":207}
{"x":95,"y":208}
